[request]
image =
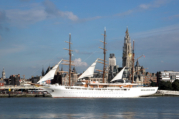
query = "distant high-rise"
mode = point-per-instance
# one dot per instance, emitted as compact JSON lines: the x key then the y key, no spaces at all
{"x":127,"y":52}
{"x":113,"y":69}
{"x":112,"y":60}
{"x":3,"y":74}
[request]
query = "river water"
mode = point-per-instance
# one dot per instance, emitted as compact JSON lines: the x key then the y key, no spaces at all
{"x":122,"y":108}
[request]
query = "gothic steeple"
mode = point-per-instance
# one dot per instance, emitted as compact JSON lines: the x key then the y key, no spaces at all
{"x":127,"y":38}
{"x":127,"y":32}
{"x":127,"y":51}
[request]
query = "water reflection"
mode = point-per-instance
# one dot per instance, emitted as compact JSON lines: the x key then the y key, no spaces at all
{"x":125,"y":115}
{"x":135,"y":108}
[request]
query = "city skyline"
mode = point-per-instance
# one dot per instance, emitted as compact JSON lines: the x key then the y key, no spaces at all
{"x":32,"y":33}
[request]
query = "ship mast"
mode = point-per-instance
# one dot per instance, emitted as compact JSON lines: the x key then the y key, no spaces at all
{"x":104,"y":52}
{"x":69,"y":73}
{"x":133,"y":55}
{"x":69,"y":59}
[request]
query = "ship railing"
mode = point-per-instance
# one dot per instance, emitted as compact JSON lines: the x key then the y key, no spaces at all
{"x":98,"y":89}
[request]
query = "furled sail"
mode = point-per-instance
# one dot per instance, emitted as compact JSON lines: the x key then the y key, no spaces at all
{"x":89,"y":72}
{"x":50,"y":74}
{"x":118,"y":76}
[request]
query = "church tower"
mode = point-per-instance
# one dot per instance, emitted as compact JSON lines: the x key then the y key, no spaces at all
{"x":127,"y":52}
{"x":3,"y":74}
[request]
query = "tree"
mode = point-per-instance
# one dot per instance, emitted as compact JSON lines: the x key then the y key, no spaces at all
{"x":153,"y":83}
{"x":175,"y":85}
{"x":165,"y":85}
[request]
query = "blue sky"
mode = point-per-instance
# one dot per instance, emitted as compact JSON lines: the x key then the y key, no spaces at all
{"x":32,"y":33}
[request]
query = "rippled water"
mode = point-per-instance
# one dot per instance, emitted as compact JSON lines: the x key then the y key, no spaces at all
{"x":124,"y":108}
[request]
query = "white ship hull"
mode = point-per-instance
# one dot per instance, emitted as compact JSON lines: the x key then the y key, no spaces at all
{"x":58,"y":91}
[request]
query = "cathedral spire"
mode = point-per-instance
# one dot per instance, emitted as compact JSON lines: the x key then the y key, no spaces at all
{"x":43,"y":71}
{"x":127,"y":36}
{"x":137,"y":64}
{"x":127,"y":32}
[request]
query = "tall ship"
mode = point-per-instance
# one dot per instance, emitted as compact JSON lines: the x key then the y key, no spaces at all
{"x":85,"y":88}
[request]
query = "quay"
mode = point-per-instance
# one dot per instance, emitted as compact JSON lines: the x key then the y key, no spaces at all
{"x":168,"y":92}
{"x":165,"y":93}
{"x":30,"y":87}
{"x":22,"y":91}
{"x":24,"y":95}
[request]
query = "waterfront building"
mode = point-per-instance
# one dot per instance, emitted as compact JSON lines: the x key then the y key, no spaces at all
{"x":139,"y":73}
{"x":65,"y":79}
{"x":61,"y":77}
{"x":98,"y":77}
{"x":1,"y":83}
{"x":149,"y":78}
{"x":167,"y":75}
{"x":142,"y":77}
{"x":14,"y":79}
{"x":35,"y":79}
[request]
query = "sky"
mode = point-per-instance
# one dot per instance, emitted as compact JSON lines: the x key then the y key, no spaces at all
{"x":33,"y":33}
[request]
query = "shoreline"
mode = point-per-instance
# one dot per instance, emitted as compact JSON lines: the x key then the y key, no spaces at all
{"x":49,"y":96}
{"x":159,"y":93}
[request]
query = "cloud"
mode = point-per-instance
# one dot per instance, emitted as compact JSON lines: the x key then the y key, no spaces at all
{"x":142,"y":7}
{"x":79,"y":52}
{"x":24,"y":0}
{"x":173,"y":17}
{"x":125,"y":13}
{"x":53,"y":11}
{"x":12,"y":49}
{"x":26,"y":17}
{"x":158,"y":31}
{"x":90,"y":19}
{"x":161,"y":42}
{"x":35,"y":14}
{"x":69,"y":15}
{"x":79,"y":63}
{"x":155,"y":4}
{"x":2,"y":16}
{"x":3,"y":19}
{"x":50,"y":8}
